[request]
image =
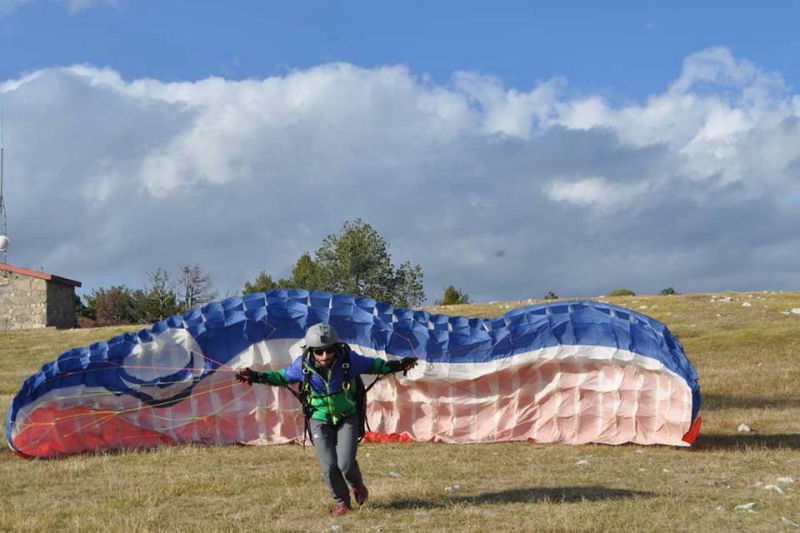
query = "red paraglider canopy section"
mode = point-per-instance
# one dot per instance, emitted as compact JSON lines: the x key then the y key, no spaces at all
{"x":694,"y":431}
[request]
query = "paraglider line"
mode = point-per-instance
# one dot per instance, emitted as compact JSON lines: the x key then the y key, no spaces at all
{"x":116,"y":364}
{"x":104,"y":415}
{"x":219,"y":365}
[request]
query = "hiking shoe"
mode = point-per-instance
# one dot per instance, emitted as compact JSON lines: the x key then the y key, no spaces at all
{"x":361,"y":494}
{"x":342,"y":508}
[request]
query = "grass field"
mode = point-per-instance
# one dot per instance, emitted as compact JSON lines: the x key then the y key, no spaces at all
{"x":745,"y":347}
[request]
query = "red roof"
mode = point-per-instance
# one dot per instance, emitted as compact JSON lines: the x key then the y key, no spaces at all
{"x":41,"y":275}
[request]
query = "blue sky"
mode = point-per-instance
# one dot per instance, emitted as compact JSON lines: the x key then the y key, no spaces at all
{"x":509,"y":149}
{"x":627,"y":49}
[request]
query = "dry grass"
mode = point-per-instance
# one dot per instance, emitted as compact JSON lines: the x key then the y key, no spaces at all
{"x":749,"y":370}
{"x":23,"y":352}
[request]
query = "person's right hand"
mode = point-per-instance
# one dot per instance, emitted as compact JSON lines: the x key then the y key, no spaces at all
{"x":247,"y":375}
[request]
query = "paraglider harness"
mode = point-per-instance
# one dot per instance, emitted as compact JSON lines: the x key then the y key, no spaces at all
{"x":303,"y":394}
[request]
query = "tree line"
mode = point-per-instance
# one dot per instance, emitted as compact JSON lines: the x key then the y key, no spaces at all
{"x":356,"y":260}
{"x":163,"y":296}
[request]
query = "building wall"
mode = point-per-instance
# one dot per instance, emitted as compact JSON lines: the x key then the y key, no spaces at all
{"x":23,"y":301}
{"x":27,"y":302}
{"x":60,"y":305}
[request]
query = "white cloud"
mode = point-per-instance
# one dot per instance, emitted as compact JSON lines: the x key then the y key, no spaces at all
{"x":502,"y":192}
{"x":508,"y":111}
{"x":595,"y":191}
{"x":72,"y":6}
{"x":75,"y":6}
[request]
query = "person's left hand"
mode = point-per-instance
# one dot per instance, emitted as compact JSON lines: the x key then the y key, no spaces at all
{"x":407,"y":363}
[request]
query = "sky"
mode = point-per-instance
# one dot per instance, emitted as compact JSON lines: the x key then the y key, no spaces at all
{"x":508,"y":148}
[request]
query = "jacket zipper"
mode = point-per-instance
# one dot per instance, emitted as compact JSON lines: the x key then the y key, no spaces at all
{"x":328,"y":391}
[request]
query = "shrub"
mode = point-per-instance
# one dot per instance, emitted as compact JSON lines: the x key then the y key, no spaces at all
{"x":621,"y":292}
{"x":85,"y":322}
{"x":453,"y":296}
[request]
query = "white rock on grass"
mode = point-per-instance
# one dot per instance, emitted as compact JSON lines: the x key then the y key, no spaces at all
{"x":721,"y":509}
{"x":748,"y":507}
{"x":776,"y":488}
{"x":582,"y":462}
{"x":789,"y":522}
{"x":395,"y":474}
{"x":785,"y":479}
{"x":747,"y":304}
{"x":452,"y":488}
{"x":795,"y":311}
{"x":744,"y":428}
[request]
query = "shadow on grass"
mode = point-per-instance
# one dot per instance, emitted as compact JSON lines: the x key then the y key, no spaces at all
{"x":716,"y":441}
{"x":531,"y":495}
{"x":714,"y":402}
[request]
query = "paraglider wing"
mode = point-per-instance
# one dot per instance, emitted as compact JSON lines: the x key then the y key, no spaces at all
{"x":567,"y":372}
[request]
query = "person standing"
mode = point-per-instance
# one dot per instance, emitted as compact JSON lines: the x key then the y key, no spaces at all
{"x":333,"y":402}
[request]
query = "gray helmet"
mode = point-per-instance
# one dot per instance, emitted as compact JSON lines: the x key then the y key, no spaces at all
{"x":320,"y":336}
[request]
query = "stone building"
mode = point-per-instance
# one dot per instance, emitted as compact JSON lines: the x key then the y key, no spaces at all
{"x":33,"y":299}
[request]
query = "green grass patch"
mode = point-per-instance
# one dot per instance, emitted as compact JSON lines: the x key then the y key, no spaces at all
{"x":744,"y":346}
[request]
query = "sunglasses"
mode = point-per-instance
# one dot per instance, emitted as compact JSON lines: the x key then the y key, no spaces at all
{"x":320,"y":351}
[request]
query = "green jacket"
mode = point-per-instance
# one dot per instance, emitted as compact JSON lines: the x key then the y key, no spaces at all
{"x":331,"y":399}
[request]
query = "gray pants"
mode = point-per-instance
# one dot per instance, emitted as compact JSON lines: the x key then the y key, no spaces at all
{"x":336,"y":449}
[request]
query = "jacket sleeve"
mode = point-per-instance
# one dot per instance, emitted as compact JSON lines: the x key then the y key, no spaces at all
{"x":360,"y":364}
{"x":381,"y":366}
{"x":294,"y":372}
{"x":369,"y":365}
{"x":274,"y":377}
{"x":291,"y":374}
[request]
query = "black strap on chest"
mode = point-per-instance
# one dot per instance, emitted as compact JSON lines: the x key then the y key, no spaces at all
{"x":360,"y":392}
{"x":303,"y":394}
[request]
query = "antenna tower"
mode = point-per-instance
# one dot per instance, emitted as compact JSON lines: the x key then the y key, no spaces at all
{"x":3,"y":220}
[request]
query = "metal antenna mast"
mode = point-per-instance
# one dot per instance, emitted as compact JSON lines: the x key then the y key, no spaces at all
{"x":3,"y":220}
